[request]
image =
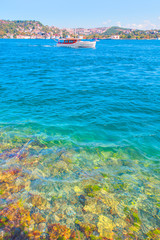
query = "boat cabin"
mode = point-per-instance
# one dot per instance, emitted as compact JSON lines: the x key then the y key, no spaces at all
{"x":67,"y":41}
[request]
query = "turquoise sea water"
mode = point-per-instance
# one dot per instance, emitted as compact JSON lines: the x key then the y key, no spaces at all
{"x":83,"y":128}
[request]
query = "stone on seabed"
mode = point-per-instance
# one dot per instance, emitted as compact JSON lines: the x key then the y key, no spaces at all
{"x":105,"y":226}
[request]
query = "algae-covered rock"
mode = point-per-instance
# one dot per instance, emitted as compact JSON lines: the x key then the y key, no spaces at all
{"x":105,"y":226}
{"x":134,"y":219}
{"x":16,"y":215}
{"x":57,"y":231}
{"x":39,"y":202}
{"x":35,"y":234}
{"x":154,"y":234}
{"x":91,"y":190}
{"x":37,"y":217}
{"x":87,"y":229}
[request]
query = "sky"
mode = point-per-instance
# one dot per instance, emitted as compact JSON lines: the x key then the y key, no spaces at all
{"x":139,"y":14}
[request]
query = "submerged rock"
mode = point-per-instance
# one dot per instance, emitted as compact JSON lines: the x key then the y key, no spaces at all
{"x":87,"y":229}
{"x":91,"y":189}
{"x":82,"y":199}
{"x":77,"y":189}
{"x":57,"y":231}
{"x":42,"y":227}
{"x":39,"y":202}
{"x":18,"y":234}
{"x":105,"y":227}
{"x":44,"y":236}
{"x":70,"y":212}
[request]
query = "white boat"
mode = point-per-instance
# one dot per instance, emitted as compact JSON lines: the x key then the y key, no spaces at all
{"x":75,"y":43}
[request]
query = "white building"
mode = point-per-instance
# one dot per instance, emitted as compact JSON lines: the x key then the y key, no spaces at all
{"x":115,"y":37}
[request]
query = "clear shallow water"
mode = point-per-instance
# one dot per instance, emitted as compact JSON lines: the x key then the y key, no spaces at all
{"x":80,"y":129}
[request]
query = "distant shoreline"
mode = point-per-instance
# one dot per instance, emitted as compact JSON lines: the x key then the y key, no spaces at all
{"x":36,"y":30}
{"x":108,"y":39}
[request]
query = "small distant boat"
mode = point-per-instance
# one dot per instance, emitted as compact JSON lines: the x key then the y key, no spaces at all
{"x":75,"y":43}
{"x":158,"y":38}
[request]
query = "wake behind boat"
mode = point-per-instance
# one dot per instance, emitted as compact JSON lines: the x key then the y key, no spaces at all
{"x":75,"y":43}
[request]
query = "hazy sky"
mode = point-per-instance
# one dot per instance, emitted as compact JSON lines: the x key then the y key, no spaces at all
{"x":141,"y":14}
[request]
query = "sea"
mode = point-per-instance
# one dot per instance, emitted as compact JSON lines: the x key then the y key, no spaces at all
{"x":80,"y":140}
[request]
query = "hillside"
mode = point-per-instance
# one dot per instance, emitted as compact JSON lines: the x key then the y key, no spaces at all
{"x":30,"y":29}
{"x":20,"y":29}
{"x":114,"y":30}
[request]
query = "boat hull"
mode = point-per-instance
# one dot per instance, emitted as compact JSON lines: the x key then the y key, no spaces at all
{"x":79,"y":44}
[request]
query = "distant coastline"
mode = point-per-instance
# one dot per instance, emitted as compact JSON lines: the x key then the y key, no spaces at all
{"x":36,"y":30}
